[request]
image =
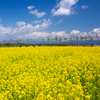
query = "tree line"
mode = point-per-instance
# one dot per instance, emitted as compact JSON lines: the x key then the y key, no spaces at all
{"x":74,"y":40}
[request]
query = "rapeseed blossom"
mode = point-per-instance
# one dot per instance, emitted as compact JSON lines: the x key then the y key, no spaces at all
{"x":45,"y":73}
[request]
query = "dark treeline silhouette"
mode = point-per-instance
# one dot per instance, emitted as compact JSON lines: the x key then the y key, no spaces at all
{"x":74,"y":40}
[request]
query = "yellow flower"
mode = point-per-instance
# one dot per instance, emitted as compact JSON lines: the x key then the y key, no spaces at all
{"x":20,"y":96}
{"x":55,"y":73}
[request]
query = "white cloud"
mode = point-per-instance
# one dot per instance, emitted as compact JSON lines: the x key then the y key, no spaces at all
{"x":36,"y":21}
{"x":23,"y":29}
{"x":59,"y":34}
{"x":95,"y":31}
{"x":30,"y":26}
{"x":44,"y":25}
{"x":91,"y":33}
{"x":84,"y":34}
{"x":46,"y":34}
{"x":84,"y":7}
{"x":30,"y":7}
{"x":64,"y":7}
{"x":36,"y":35}
{"x":58,"y":22}
{"x":29,"y":31}
{"x":21,"y":23}
{"x":38,"y":14}
{"x":4,"y":30}
{"x":74,"y":32}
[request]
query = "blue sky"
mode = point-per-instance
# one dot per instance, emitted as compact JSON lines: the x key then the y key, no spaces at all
{"x":41,"y":18}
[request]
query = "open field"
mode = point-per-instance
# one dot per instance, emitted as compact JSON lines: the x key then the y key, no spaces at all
{"x":50,"y":73}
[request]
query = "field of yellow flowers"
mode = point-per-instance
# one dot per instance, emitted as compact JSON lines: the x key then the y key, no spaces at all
{"x":50,"y":73}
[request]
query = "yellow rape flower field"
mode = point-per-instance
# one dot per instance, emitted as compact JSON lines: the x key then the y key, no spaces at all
{"x":50,"y":73}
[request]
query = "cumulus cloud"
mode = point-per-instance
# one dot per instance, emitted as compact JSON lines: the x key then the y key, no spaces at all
{"x":29,"y":31}
{"x":36,"y":35}
{"x":84,"y":34}
{"x":36,"y":13}
{"x":30,"y":7}
{"x":36,"y":21}
{"x":75,"y":32}
{"x":60,"y":34}
{"x":58,"y":22}
{"x":46,"y":34}
{"x":64,"y":7}
{"x":44,"y":25}
{"x":84,"y":7}
{"x":21,"y":23}
{"x":95,"y":31}
{"x":4,"y":30}
{"x":23,"y":29}
{"x":91,"y":33}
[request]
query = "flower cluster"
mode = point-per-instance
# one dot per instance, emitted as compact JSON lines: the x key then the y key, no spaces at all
{"x":50,"y":73}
